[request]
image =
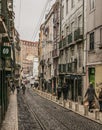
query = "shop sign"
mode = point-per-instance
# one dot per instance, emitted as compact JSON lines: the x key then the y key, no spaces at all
{"x":5,"y":51}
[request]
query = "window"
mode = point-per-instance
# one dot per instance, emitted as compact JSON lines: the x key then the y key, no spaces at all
{"x":80,"y":21}
{"x":62,"y":12}
{"x":92,"y":4}
{"x":92,"y":41}
{"x":72,"y":3}
{"x":91,"y":75}
{"x":67,"y":31}
{"x":72,"y":26}
{"x":67,"y":6}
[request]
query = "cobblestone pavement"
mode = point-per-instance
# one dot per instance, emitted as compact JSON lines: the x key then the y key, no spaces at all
{"x":75,"y":107}
{"x":52,"y":115}
{"x":11,"y":118}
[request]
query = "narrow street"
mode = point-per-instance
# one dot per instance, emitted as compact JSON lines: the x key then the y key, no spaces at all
{"x":37,"y":113}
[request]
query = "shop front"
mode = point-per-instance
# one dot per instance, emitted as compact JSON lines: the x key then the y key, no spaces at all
{"x":75,"y":87}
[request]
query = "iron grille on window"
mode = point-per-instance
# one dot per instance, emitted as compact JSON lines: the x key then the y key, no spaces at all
{"x":92,"y":41}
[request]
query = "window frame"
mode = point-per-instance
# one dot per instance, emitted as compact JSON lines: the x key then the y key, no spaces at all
{"x":91,"y":41}
{"x":92,"y":5}
{"x":67,"y":3}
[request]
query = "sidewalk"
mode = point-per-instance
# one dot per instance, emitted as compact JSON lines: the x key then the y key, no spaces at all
{"x":74,"y":106}
{"x":11,"y":118}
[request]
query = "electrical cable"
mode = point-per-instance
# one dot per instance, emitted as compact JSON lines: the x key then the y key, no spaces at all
{"x":40,"y":20}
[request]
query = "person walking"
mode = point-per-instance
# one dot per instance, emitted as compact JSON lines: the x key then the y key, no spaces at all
{"x":90,"y":93}
{"x":13,"y":88}
{"x":100,"y":100}
{"x":23,"y":88}
{"x":65,"y":91}
{"x":59,"y":92}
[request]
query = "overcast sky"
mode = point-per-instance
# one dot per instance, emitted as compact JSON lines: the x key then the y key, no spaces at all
{"x":27,"y":15}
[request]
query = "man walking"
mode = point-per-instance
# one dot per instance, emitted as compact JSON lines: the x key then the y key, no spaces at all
{"x":90,"y":93}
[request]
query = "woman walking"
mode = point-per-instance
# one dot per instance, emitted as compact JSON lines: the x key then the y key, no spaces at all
{"x":90,"y":93}
{"x":100,"y":100}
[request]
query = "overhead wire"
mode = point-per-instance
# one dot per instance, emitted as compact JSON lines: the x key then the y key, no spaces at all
{"x":40,"y":20}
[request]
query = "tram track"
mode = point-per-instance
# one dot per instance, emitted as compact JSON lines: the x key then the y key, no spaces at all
{"x":34,"y":116}
{"x":73,"y":118}
{"x":50,"y":116}
{"x":54,"y":117}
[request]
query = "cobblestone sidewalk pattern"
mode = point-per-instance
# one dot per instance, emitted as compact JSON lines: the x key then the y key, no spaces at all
{"x":11,"y":118}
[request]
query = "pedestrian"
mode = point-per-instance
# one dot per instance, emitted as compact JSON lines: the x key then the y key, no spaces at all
{"x":18,"y":89}
{"x":13,"y":88}
{"x":100,"y":99}
{"x":65,"y":91}
{"x":90,"y":93}
{"x":23,"y":88}
{"x":59,"y":92}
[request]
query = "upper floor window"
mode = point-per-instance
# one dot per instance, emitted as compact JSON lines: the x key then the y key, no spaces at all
{"x":92,"y":42}
{"x":67,"y":30}
{"x":92,"y":4}
{"x":72,"y":27}
{"x":80,"y":21}
{"x":67,"y":6}
{"x":72,"y":3}
{"x":63,"y":12}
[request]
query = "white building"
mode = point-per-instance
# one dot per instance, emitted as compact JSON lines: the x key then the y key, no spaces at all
{"x":35,"y":67}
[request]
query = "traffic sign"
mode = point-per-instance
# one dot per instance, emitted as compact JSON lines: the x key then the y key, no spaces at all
{"x":6,"y":51}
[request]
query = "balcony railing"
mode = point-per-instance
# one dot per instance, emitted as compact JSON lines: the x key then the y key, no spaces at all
{"x":55,"y":53}
{"x":70,"y":38}
{"x":60,"y":44}
{"x":62,"y":68}
{"x":64,"y":42}
{"x":78,"y":34}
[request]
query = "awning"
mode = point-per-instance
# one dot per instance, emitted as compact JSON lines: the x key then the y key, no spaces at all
{"x":73,"y":76}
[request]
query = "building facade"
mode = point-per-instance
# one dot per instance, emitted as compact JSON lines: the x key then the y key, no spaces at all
{"x":56,"y":40}
{"x":7,"y":53}
{"x":94,"y":43}
{"x":46,"y":43}
{"x":29,"y":50}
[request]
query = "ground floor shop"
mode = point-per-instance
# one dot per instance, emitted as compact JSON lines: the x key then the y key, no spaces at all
{"x":4,"y":92}
{"x":75,"y":86}
{"x":94,"y":75}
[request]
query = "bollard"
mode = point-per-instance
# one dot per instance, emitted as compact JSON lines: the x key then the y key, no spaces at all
{"x":86,"y":110}
{"x":97,"y":114}
{"x":70,"y":104}
{"x":76,"y":107}
{"x":51,"y":97}
{"x":60,"y":101}
{"x":64,"y":103}
{"x":56,"y":99}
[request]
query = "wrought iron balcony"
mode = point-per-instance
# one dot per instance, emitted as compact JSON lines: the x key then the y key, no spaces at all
{"x":70,"y":38}
{"x":64,"y":42}
{"x":78,"y":36}
{"x":55,"y":53}
{"x":60,"y":44}
{"x":62,"y":68}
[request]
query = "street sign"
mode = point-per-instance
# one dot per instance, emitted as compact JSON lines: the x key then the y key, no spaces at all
{"x":6,"y":51}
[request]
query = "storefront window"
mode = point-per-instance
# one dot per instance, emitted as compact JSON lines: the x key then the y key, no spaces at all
{"x":92,"y":75}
